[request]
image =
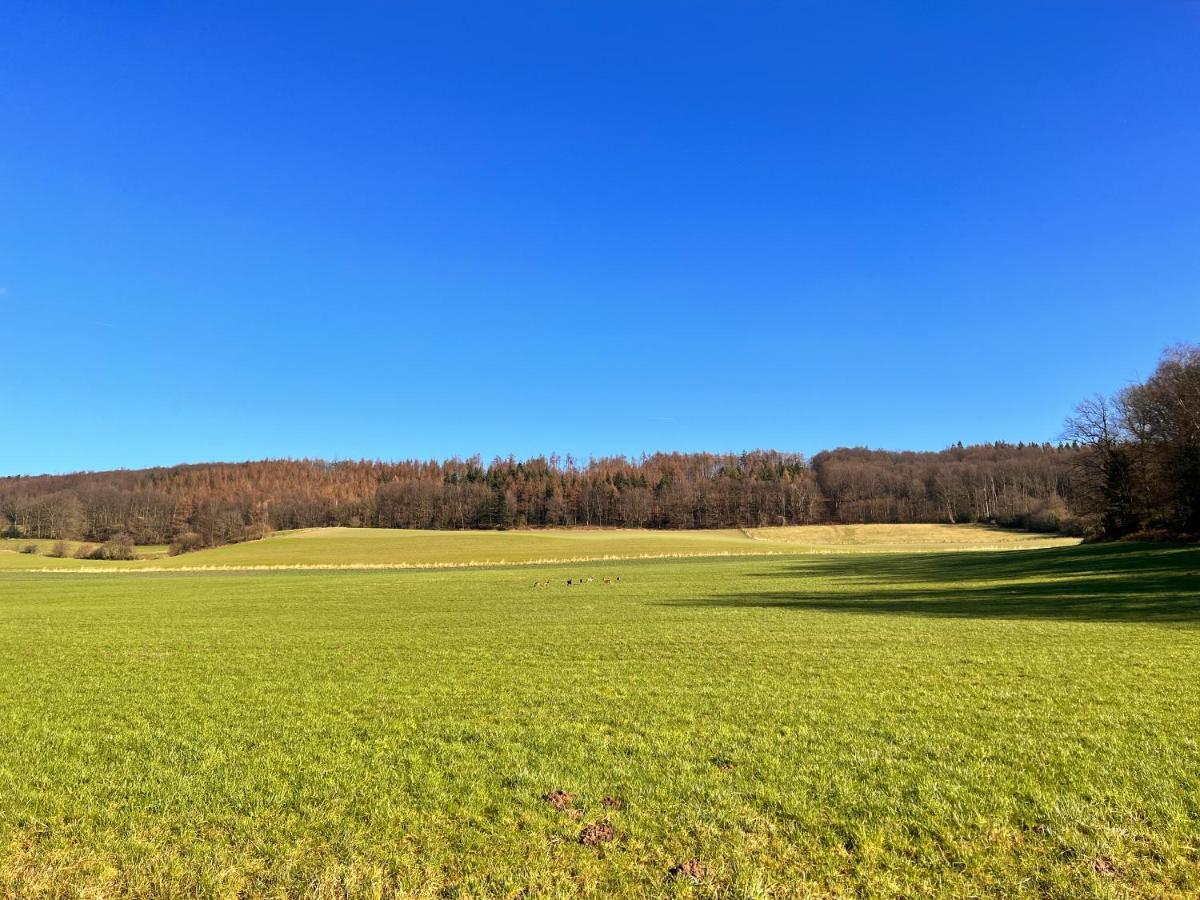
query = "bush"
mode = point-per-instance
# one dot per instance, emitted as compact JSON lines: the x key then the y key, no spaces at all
{"x":186,"y":543}
{"x":1047,"y":515}
{"x":29,"y":548}
{"x":1073,"y":526}
{"x":59,"y":550}
{"x":1160,"y":535}
{"x":254,"y":532}
{"x":85,"y":551}
{"x":119,"y":546}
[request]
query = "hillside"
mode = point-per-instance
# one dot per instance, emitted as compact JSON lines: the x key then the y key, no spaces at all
{"x":322,"y":547}
{"x":221,"y":503}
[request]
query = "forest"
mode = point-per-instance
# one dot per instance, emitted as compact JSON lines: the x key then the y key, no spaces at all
{"x":1129,"y":464}
{"x":209,"y":504}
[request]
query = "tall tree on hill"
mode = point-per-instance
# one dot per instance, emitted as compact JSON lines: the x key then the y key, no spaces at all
{"x":1141,"y":465}
{"x":1162,"y":416}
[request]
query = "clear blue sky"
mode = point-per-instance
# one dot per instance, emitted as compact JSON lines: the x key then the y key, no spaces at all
{"x":397,"y":230}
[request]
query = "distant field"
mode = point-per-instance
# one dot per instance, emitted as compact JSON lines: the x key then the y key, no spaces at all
{"x":11,"y":556}
{"x":1007,"y":724}
{"x":903,"y":538}
{"x":394,"y":547}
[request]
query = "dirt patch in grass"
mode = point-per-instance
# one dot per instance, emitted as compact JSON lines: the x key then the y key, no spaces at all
{"x":560,"y":800}
{"x":596,"y":834}
{"x":693,"y":869}
{"x":1102,"y":865}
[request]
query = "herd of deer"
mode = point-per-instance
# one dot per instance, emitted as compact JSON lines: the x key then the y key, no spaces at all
{"x":574,"y":581}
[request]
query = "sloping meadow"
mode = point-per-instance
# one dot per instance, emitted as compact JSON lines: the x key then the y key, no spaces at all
{"x":400,"y":548}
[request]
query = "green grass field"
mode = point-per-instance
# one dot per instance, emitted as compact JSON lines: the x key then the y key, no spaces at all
{"x":993,"y":723}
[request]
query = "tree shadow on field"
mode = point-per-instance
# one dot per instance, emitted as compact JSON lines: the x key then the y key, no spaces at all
{"x":1107,"y":582}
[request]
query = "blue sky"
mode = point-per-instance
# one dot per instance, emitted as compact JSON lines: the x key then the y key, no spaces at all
{"x":414,"y":230}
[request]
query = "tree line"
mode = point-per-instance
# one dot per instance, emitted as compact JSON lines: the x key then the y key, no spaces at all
{"x":195,"y":506}
{"x":1128,"y":464}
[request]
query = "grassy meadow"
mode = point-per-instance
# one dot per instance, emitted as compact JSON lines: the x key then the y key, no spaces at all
{"x":391,"y":547}
{"x":1019,"y":722}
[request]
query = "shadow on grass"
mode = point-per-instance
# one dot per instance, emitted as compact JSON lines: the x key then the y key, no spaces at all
{"x":1111,"y":582}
